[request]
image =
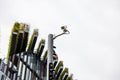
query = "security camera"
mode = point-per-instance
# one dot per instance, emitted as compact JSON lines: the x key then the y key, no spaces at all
{"x":65,"y":31}
{"x":64,"y":28}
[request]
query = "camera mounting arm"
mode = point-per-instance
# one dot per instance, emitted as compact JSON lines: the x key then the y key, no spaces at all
{"x":65,"y":31}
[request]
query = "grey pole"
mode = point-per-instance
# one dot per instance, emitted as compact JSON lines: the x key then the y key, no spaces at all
{"x":50,"y":53}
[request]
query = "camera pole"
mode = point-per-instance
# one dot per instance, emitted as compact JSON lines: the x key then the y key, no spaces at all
{"x":50,"y":67}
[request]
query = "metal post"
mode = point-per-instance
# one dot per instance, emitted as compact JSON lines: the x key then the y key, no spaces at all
{"x":50,"y":53}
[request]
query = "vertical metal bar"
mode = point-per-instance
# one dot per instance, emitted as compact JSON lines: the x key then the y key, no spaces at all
{"x":25,"y":68}
{"x":50,"y":53}
{"x":28,"y":71}
{"x":18,"y":50}
{"x":12,"y":49}
{"x":40,"y":64}
{"x":33,"y":62}
{"x":33,"y":66}
{"x":11,"y":74}
{"x":24,"y":45}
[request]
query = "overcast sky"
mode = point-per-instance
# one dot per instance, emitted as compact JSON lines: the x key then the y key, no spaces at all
{"x":91,"y":51}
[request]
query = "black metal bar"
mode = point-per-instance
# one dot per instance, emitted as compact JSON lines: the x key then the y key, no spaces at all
{"x":12,"y":47}
{"x":40,"y":48}
{"x":40,"y":51}
{"x":58,"y":74}
{"x":25,"y":41}
{"x":65,"y":77}
{"x":18,"y":47}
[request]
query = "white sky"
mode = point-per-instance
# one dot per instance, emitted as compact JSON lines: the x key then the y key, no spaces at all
{"x":91,"y":51}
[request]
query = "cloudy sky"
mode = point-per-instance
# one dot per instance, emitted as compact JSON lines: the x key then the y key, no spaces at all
{"x":91,"y":51}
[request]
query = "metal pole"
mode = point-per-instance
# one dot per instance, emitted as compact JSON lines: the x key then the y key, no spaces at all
{"x":50,"y":53}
